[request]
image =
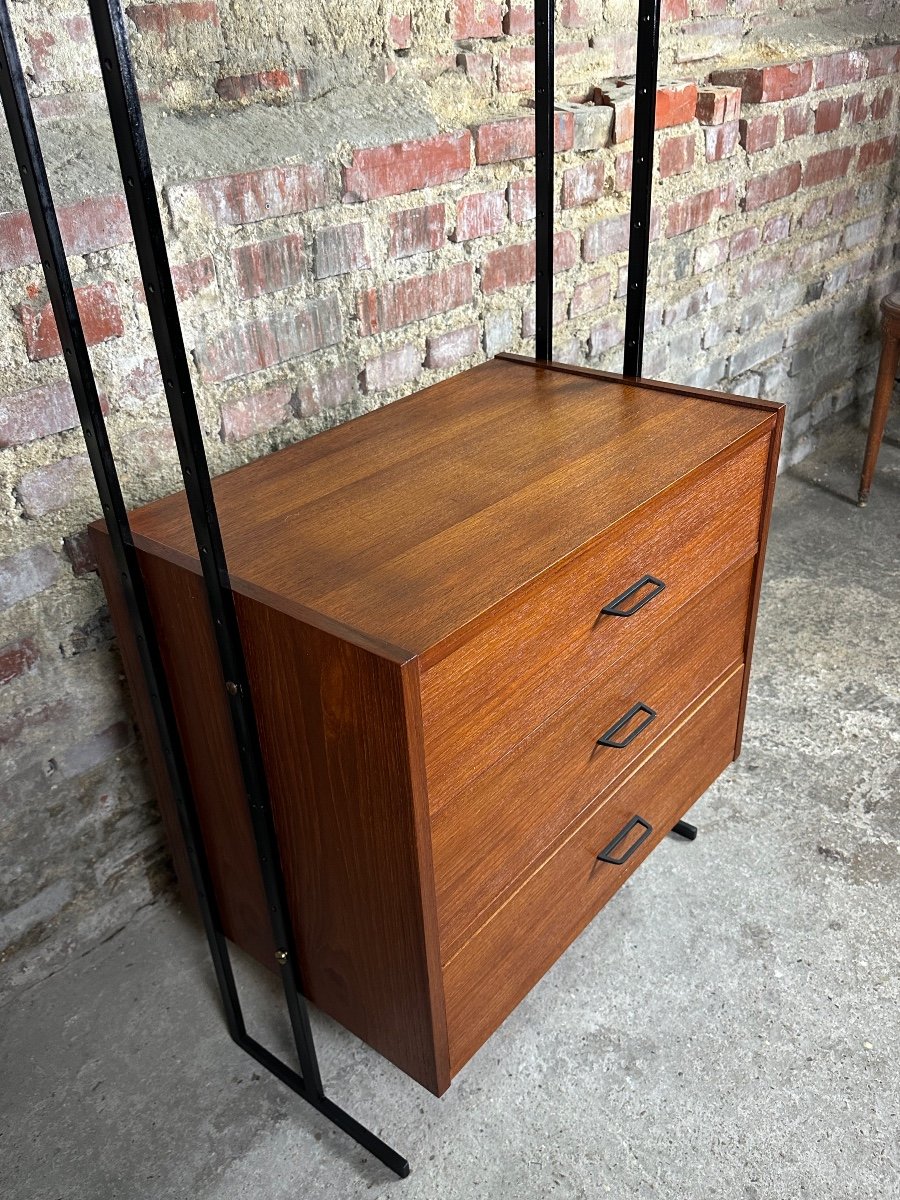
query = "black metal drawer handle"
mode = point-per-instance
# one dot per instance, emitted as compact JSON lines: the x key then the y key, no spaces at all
{"x":609,"y":738}
{"x":615,"y":609}
{"x":606,"y":855}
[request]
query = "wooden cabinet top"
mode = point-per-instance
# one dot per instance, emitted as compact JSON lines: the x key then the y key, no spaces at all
{"x":400,"y":527}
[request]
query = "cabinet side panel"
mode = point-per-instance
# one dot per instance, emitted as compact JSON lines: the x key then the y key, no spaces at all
{"x":766,"y":501}
{"x":333,"y":728}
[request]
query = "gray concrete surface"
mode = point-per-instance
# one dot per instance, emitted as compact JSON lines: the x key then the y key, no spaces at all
{"x":727,"y":1027}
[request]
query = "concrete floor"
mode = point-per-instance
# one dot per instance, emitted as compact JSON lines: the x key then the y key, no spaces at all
{"x":727,"y":1027}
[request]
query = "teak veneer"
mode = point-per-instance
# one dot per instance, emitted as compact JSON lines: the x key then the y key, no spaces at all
{"x":453,"y":728}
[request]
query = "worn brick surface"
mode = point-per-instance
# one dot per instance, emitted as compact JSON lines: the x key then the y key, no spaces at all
{"x":416,"y":230}
{"x":269,"y":266}
{"x":407,"y":166}
{"x":391,"y":369}
{"x":398,"y":304}
{"x":251,"y":346}
{"x":479,"y":215}
{"x":340,"y":249}
{"x":101,"y":319}
{"x":255,"y":412}
{"x":251,"y":196}
{"x":445,"y":350}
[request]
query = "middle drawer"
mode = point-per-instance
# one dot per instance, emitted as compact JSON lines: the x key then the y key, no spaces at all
{"x":511,"y":814}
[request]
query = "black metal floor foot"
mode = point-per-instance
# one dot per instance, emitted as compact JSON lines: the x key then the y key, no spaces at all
{"x":685,"y":830}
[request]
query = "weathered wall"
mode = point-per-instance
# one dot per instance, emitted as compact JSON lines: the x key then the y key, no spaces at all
{"x":348,"y":198}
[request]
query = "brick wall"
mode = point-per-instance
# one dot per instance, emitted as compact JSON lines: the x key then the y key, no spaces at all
{"x":351,"y":226}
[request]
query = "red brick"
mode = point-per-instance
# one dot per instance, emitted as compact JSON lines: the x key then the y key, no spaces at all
{"x":722,"y":141}
{"x":588,"y":296}
{"x":407,"y":166}
{"x":299,"y":80}
{"x":676,"y":104}
{"x":582,"y":184}
{"x":713,"y":254}
{"x":476,"y":19}
{"x":400,"y":31}
{"x":326,"y":391}
{"x":55,"y":486}
{"x":620,"y":98}
{"x":513,"y":265}
{"x":759,"y":133}
{"x":609,"y":236}
{"x":38,"y":412}
{"x":796,"y":121}
{"x":96,"y":223}
{"x":341,"y":249}
{"x":252,"y":346}
{"x":258,"y":195}
{"x":521,"y":196}
{"x":519,"y":19}
{"x":882,"y":104}
{"x":697,"y":210}
{"x":515,"y":70}
{"x":16,"y":658}
{"x":777,"y":229}
{"x":479,"y":215}
{"x":512,"y":138}
{"x":78,"y":550}
{"x":101,"y":319}
{"x":762,"y":85}
{"x":163,"y":19}
{"x":676,"y":155}
{"x":828,"y":115}
{"x":624,"y":171}
{"x":269,"y":266}
{"x":479,"y":68}
{"x":883,"y":60}
{"x":397,"y":304}
{"x":716,"y":105}
{"x":875,"y":154}
{"x":255,"y":412}
{"x":675,"y":10}
{"x":445,"y":350}
{"x":762,"y":276}
{"x":391,"y":369}
{"x":836,"y":70}
{"x":856,"y":108}
{"x":188,"y":279}
{"x":416,"y":230}
{"x":765,"y":189}
{"x":743,"y":243}
{"x":833,"y":164}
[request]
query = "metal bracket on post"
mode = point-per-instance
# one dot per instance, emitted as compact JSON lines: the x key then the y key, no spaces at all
{"x":641,"y":185}
{"x":140,"y":192}
{"x":544,"y":149}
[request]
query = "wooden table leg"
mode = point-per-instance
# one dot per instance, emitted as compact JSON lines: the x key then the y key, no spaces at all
{"x":887,"y":373}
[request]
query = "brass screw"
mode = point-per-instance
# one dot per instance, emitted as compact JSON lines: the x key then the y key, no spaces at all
{"x":281,"y":956}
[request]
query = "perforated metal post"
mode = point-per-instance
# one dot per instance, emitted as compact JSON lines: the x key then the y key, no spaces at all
{"x":544,"y":123}
{"x":641,"y":185}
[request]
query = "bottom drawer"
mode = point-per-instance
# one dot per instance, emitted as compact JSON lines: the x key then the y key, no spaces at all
{"x":499,"y":964}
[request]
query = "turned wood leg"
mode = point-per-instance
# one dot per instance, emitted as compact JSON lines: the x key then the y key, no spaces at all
{"x":887,"y":373}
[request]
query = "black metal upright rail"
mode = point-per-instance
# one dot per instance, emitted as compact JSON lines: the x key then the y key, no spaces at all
{"x":544,"y":149}
{"x":140,"y":191}
{"x":641,"y":185}
{"x":641,"y":180}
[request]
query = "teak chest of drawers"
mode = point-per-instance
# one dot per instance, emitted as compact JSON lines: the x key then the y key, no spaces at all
{"x":498,"y":637}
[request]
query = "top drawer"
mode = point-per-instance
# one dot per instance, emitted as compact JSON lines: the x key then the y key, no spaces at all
{"x":543,"y":644}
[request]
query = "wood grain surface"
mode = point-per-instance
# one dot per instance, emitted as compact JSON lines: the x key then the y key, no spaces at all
{"x":500,"y":964}
{"x":405,"y":524}
{"x":490,"y":834}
